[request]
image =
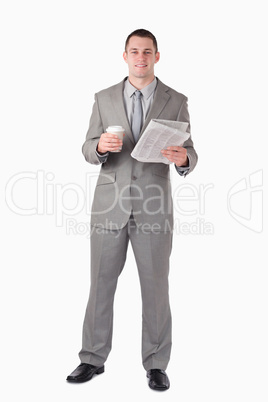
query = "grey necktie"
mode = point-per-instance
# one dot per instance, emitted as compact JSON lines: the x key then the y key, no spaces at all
{"x":137,"y":115}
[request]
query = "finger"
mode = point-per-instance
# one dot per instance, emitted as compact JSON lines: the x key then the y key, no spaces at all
{"x":112,"y":141}
{"x":167,"y":155}
{"x":171,"y":153}
{"x":113,"y":149}
{"x":175,"y":148}
{"x":173,"y":156}
{"x":109,"y":135}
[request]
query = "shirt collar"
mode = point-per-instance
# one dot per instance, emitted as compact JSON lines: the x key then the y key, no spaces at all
{"x":146,"y":91}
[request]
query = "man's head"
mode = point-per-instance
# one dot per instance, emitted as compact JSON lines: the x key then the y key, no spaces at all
{"x":142,"y":33}
{"x":141,"y":54}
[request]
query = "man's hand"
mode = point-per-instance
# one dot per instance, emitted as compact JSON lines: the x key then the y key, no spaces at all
{"x":109,"y":143}
{"x":178,"y":155}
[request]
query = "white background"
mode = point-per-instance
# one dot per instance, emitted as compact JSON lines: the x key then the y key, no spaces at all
{"x":55,"y":56}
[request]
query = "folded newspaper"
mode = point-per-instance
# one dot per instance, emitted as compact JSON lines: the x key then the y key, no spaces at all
{"x":159,"y":135}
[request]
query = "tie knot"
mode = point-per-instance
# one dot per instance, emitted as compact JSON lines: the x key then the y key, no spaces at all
{"x":138,"y":94}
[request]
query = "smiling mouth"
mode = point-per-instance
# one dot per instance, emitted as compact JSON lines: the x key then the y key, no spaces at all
{"x":140,"y":65}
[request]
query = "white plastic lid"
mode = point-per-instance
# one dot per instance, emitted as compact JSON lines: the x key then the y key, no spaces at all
{"x":115,"y":128}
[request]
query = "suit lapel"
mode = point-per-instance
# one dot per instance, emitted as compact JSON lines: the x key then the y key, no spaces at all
{"x":117,"y":99}
{"x":160,"y":100}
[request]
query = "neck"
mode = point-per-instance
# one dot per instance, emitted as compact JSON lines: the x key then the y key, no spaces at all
{"x":140,"y":83}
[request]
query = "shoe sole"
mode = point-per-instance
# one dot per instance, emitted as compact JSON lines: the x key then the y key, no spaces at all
{"x":88,"y":378}
{"x":158,"y":389}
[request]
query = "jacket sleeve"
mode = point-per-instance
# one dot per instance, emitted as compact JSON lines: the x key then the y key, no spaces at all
{"x":191,"y":153}
{"x":93,"y":135}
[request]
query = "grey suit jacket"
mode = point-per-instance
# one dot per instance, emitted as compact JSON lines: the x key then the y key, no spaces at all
{"x":125,"y":184}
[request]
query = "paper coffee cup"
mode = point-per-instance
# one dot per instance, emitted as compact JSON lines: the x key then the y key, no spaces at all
{"x":119,"y":131}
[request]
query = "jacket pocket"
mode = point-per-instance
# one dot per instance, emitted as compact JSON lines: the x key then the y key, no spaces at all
{"x":162,"y":172}
{"x":106,"y":178}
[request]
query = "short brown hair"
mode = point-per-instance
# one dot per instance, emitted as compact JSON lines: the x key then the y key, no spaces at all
{"x":142,"y":33}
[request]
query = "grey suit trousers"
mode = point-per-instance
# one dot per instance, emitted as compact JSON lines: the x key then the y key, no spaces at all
{"x":108,"y":254}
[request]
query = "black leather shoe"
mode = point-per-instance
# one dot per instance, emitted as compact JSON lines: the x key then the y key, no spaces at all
{"x":84,"y":372}
{"x":158,"y":380}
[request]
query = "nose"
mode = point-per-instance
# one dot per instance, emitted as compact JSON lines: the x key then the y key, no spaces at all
{"x":141,"y":57}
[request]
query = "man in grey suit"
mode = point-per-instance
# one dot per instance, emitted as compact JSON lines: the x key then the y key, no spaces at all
{"x":132,"y":201}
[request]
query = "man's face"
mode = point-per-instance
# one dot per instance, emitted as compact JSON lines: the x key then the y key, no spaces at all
{"x":141,"y":57}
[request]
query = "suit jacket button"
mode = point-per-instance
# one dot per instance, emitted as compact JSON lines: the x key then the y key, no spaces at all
{"x":134,"y":177}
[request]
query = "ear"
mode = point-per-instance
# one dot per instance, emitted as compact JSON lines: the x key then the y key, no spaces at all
{"x":125,"y":56}
{"x":157,"y":57}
